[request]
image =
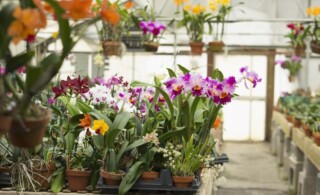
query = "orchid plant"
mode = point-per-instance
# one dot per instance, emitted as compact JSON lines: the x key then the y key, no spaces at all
{"x":152,"y":31}
{"x":297,"y":34}
{"x":293,"y":65}
{"x":315,"y":29}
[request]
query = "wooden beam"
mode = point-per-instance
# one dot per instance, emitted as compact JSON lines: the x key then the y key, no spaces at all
{"x":269,"y":94}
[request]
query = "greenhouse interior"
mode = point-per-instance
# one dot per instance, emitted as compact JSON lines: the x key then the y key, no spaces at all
{"x":204,"y":97}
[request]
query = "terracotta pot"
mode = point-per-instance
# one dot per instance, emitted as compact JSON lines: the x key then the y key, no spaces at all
{"x":43,"y":175}
{"x":289,"y":118}
{"x":182,"y":182}
{"x":307,"y":130}
{"x":151,"y":46}
{"x":149,"y":175}
{"x":5,"y":123}
{"x":315,"y":48}
{"x":216,"y":46}
{"x":112,"y":48}
{"x":78,"y":180}
{"x":196,"y":47}
{"x":296,"y":122}
{"x":291,"y":78}
{"x":316,"y":138}
{"x":111,"y":178}
{"x":28,"y":133}
{"x":299,"y":50}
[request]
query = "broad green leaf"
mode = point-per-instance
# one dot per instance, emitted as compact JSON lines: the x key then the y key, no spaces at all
{"x":164,"y":137}
{"x":58,"y":181}
{"x":121,"y":120}
{"x":171,"y":73}
{"x":110,"y":137}
{"x":98,"y":141}
{"x":168,"y":100}
{"x":83,"y":107}
{"x":140,"y":84}
{"x":135,"y":144}
{"x":217,"y":74}
{"x":183,"y":69}
{"x":121,"y":152}
{"x":18,"y":61}
{"x":69,"y":139}
{"x":131,"y":177}
{"x":33,"y":73}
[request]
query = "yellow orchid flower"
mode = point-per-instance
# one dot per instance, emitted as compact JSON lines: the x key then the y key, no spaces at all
{"x":100,"y":127}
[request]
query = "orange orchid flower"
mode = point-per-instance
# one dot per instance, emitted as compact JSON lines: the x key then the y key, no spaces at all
{"x":128,"y":4}
{"x":217,"y":123}
{"x":109,"y":13}
{"x":44,"y":6}
{"x":26,"y":22}
{"x":86,"y":121}
{"x":76,"y":9}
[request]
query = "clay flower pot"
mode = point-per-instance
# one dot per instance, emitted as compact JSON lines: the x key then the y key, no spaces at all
{"x":182,"y":182}
{"x":216,"y":46}
{"x":5,"y":123}
{"x":151,"y":46}
{"x":299,"y":50}
{"x":196,"y":47}
{"x":111,"y":178}
{"x":78,"y":180}
{"x":149,"y":175}
{"x":28,"y":133}
{"x":112,"y":48}
{"x":296,"y":122}
{"x":316,"y":138}
{"x":307,"y":130}
{"x":43,"y":175}
{"x":291,"y":78}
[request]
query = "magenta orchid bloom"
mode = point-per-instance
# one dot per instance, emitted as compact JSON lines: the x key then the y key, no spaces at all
{"x":149,"y":27}
{"x":250,"y":76}
{"x":295,"y":58}
{"x":2,"y":70}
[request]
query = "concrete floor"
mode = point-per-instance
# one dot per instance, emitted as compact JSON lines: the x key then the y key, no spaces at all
{"x":252,"y":170}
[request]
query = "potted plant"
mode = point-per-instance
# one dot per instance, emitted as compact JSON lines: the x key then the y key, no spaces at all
{"x":152,"y":32}
{"x":314,"y":28}
{"x":194,"y":20}
{"x":220,"y":9}
{"x":38,"y":75}
{"x":293,"y":65}
{"x":297,"y":36}
{"x":116,"y":19}
{"x":316,"y":134}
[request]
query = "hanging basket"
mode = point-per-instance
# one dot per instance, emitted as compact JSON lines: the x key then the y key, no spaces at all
{"x":27,"y":133}
{"x":151,"y":46}
{"x":112,"y":48}
{"x":315,"y":48}
{"x":216,"y":46}
{"x":196,"y":47}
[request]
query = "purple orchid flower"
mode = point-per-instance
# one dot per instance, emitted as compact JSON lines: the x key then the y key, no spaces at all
{"x":295,"y":58}
{"x":144,"y":27}
{"x":155,"y":28}
{"x":51,"y":101}
{"x":2,"y":70}
{"x":250,"y":76}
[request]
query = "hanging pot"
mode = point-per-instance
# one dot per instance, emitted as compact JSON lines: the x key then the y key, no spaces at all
{"x":291,"y":78}
{"x":5,"y":123}
{"x":151,"y":46}
{"x":27,"y":133}
{"x":149,"y":175}
{"x":216,"y":46}
{"x":196,"y":47}
{"x":78,"y":180}
{"x":182,"y":182}
{"x":112,"y":48}
{"x":315,"y":48}
{"x":299,"y":50}
{"x":111,"y":178}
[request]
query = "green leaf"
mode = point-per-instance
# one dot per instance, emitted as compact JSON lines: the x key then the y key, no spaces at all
{"x":121,"y":152}
{"x":18,"y":61}
{"x":121,"y":120}
{"x":157,"y":81}
{"x":168,"y":100}
{"x":111,"y":158}
{"x":171,"y":73}
{"x":69,"y":139}
{"x":131,"y":177}
{"x":58,"y":182}
{"x":98,"y":141}
{"x":183,"y":69}
{"x":83,"y":107}
{"x":6,"y":19}
{"x":110,"y":137}
{"x":164,"y":137}
{"x":135,"y":144}
{"x":33,"y":73}
{"x":217,"y":74}
{"x":140,"y":84}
